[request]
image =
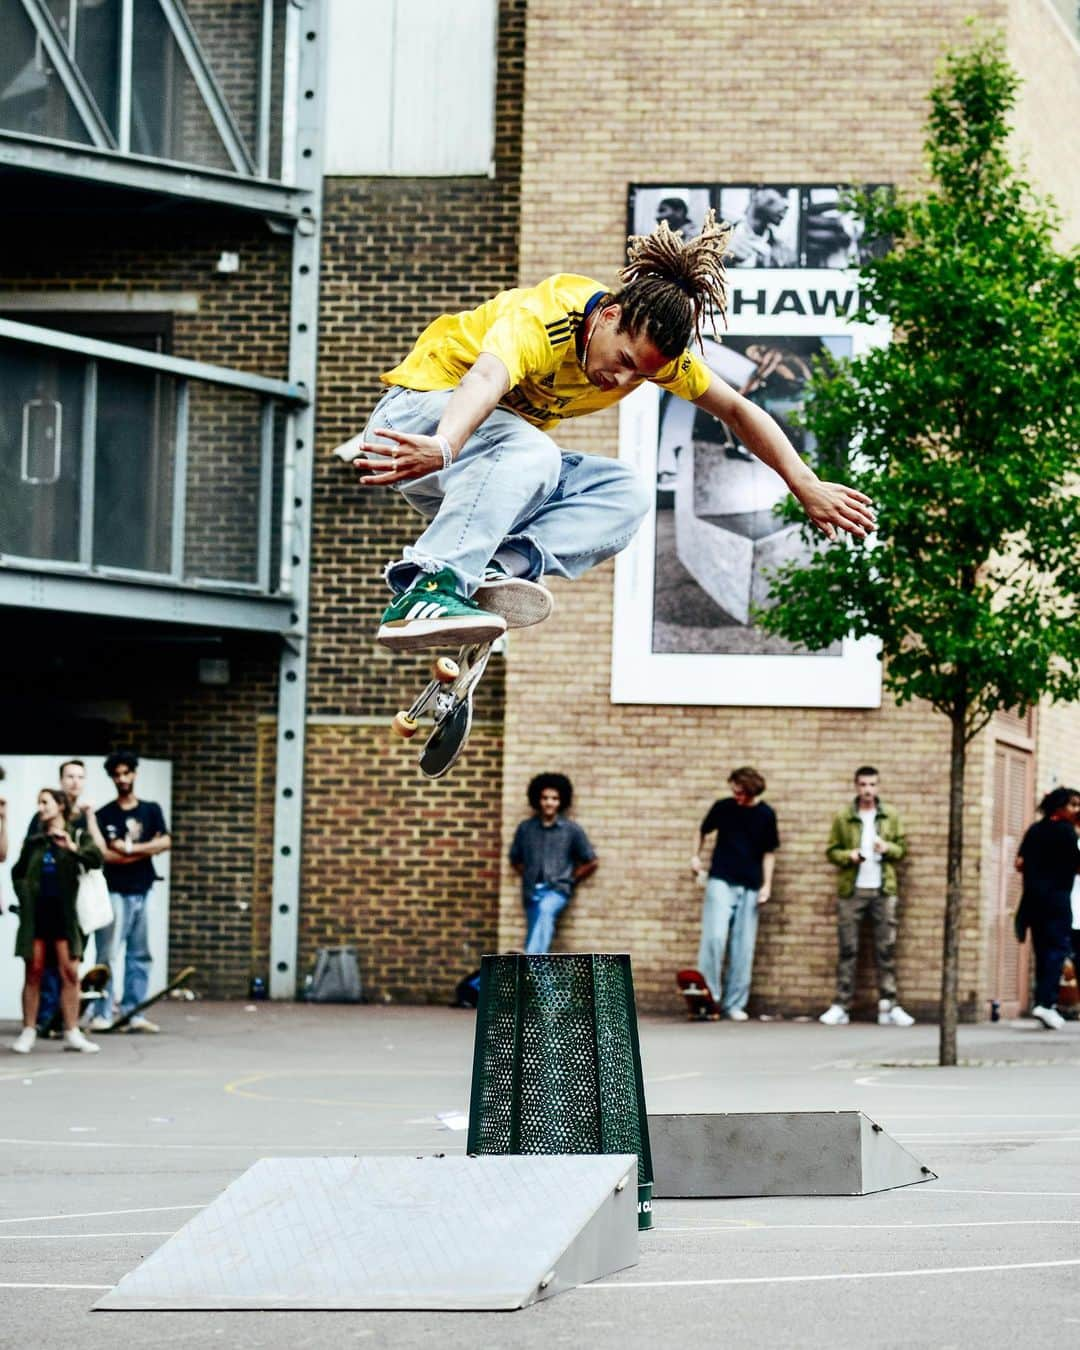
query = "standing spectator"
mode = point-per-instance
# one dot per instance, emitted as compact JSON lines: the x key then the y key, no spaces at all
{"x":82,"y":817}
{"x":1047,"y":858}
{"x":865,"y":843}
{"x":551,"y":855}
{"x":134,"y":833}
{"x":1075,"y":905}
{"x":46,"y":880}
{"x":740,"y":882}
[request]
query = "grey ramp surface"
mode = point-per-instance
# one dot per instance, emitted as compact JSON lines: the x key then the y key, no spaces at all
{"x":777,"y":1153}
{"x":396,"y":1233}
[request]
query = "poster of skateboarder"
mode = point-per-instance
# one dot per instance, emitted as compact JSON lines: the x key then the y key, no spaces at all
{"x":687,"y":590}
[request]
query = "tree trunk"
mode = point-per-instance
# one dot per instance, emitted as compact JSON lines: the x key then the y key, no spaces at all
{"x":950,"y":967}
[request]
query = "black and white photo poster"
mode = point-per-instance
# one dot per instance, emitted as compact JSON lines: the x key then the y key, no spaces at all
{"x":687,"y":589}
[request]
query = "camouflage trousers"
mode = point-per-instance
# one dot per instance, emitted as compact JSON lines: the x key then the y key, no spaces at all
{"x":850,"y":912}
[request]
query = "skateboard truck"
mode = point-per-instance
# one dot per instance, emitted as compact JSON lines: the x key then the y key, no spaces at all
{"x":448,"y":697}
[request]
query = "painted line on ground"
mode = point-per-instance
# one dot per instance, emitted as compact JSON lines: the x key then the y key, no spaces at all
{"x":78,"y":1237}
{"x":948,"y":1190}
{"x":764,"y":1227}
{"x":811,"y":1279}
{"x":869,"y":1080}
{"x":672,"y":1077}
{"x":103,"y":1213}
{"x":28,"y":1073}
{"x":97,"y":1287}
{"x":310,"y":1148}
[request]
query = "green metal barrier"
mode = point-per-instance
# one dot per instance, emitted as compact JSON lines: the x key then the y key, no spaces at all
{"x":557,"y":1066}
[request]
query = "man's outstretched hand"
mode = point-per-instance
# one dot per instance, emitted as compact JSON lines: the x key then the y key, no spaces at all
{"x":832,"y":507}
{"x":411,"y":457}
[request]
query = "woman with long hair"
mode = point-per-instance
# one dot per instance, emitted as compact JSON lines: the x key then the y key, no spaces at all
{"x":46,"y":880}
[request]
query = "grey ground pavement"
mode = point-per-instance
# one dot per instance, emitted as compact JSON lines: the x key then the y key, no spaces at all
{"x":103,"y":1158}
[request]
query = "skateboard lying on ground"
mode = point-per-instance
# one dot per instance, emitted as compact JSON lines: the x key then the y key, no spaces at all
{"x":448,"y":700}
{"x":122,"y":1022}
{"x":700,"y":1004}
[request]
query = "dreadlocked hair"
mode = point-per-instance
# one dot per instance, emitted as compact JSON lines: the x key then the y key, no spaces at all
{"x":673,"y":286}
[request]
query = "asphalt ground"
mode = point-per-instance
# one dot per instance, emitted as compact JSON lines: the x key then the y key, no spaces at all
{"x":102,"y":1159}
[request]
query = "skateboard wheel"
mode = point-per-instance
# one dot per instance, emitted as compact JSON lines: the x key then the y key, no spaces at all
{"x":404,"y":725}
{"x":445,"y":670}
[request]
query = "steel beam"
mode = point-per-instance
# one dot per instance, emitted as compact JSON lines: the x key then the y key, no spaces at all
{"x":266,"y":71}
{"x":20,"y":150}
{"x":88,"y":465}
{"x":29,"y":588}
{"x":71,"y":77}
{"x":220,"y":114}
{"x":179,"y":484}
{"x":305,"y":27}
{"x":287,"y":391}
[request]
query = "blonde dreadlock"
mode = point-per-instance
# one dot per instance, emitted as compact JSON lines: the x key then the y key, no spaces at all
{"x":672,"y":286}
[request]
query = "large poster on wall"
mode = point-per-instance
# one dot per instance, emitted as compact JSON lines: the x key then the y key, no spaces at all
{"x":687,"y":589}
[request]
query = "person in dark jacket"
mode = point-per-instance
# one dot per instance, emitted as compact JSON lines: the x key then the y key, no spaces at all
{"x":46,"y":880}
{"x":1048,"y":859}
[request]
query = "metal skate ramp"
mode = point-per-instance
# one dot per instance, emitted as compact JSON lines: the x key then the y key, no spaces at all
{"x":777,"y":1153}
{"x":397,"y":1233}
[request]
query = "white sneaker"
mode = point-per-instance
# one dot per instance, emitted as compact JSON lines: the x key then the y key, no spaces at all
{"x":24,"y":1042}
{"x":1051,"y":1019}
{"x":521,"y":603}
{"x":99,"y":1023}
{"x":737,"y":1015}
{"x":141,"y":1023}
{"x":75,"y":1040}
{"x":891,"y":1014}
{"x":836,"y":1016}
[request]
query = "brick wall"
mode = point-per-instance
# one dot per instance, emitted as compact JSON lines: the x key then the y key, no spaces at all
{"x":413,"y":876}
{"x":792,"y":94}
{"x":209,"y":734}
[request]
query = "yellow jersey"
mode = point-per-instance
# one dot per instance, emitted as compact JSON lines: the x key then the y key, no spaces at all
{"x":533,"y":331}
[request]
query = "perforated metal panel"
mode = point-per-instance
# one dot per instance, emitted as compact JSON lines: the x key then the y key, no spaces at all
{"x":557,"y":1068}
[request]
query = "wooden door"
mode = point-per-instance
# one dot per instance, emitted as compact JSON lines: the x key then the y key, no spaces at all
{"x":1008,"y":960}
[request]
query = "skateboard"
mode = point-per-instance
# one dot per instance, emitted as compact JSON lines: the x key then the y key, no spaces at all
{"x":122,"y":1022}
{"x":700,"y":1005}
{"x":448,"y":699}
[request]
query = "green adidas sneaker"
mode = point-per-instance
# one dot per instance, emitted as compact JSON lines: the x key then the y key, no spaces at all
{"x":432,"y":612}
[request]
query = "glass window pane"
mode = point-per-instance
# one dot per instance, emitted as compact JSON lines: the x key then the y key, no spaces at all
{"x":133,"y":469}
{"x":32,"y":96}
{"x":41,"y":401}
{"x":168,"y":117}
{"x":230,"y":37}
{"x":221,"y":531}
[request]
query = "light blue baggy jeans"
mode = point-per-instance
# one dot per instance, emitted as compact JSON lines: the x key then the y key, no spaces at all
{"x":729,"y":922}
{"x":542,"y":911}
{"x":129,"y":929}
{"x":510,"y":486}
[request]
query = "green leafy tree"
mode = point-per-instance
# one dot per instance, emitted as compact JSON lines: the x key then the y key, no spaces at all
{"x":964,"y":430}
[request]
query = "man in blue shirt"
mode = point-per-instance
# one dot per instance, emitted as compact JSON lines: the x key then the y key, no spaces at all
{"x":551,"y":855}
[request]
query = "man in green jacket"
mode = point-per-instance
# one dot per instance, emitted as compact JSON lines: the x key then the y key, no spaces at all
{"x":865,"y":844}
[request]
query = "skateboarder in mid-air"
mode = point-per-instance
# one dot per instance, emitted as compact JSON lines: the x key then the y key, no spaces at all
{"x":463,"y":433}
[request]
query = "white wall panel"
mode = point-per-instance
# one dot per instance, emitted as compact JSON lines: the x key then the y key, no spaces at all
{"x":411,"y":87}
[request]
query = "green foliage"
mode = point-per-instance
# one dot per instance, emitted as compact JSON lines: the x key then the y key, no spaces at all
{"x":965,"y":430}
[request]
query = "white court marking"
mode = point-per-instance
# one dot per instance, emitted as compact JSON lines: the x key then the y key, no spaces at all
{"x":12,"y":1285}
{"x":811,"y":1279}
{"x":102,"y":1213}
{"x":672,"y":1077}
{"x":762,"y":1227}
{"x":79,"y":1237}
{"x":946,"y":1190}
{"x":308,"y":1148}
{"x":870,"y":1080}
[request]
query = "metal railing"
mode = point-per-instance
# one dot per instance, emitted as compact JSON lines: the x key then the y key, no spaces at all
{"x":220,"y":468}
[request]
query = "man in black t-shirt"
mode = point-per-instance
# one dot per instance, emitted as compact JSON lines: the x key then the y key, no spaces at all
{"x":134,"y":833}
{"x":740,"y":880}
